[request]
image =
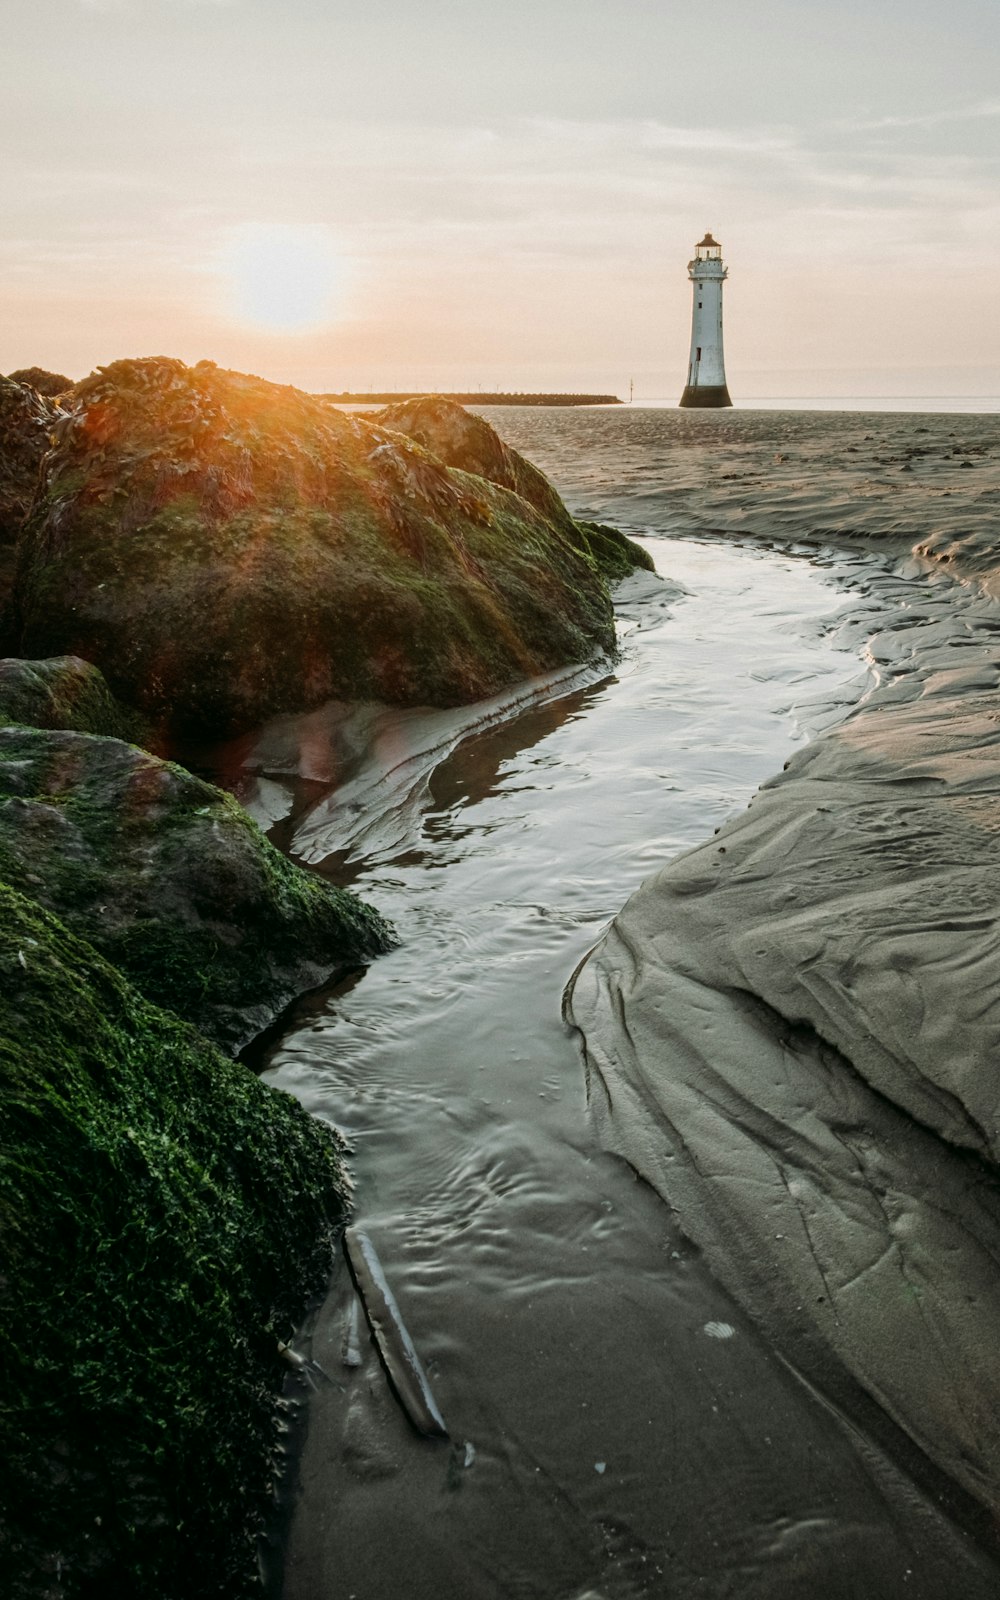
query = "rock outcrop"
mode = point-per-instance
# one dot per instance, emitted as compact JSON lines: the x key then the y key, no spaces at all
{"x":461,"y":439}
{"x":26,"y":421}
{"x":171,"y":881}
{"x":163,"y":1216}
{"x":64,"y":692}
{"x":225,"y":548}
{"x":49,"y":383}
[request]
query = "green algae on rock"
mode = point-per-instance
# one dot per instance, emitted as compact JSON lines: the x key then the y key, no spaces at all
{"x":47,"y":383}
{"x":171,"y":881}
{"x":163,"y":1215}
{"x":613,"y":552}
{"x":26,"y":420}
{"x":461,"y":439}
{"x":226,"y":548}
{"x":64,"y":692}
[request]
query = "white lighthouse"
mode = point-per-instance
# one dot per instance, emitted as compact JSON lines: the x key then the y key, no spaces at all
{"x":706,"y":382}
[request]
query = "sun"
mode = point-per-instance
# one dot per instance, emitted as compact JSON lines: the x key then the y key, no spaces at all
{"x":282,"y":277}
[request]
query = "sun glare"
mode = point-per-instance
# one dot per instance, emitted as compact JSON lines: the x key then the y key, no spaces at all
{"x":282,"y":278}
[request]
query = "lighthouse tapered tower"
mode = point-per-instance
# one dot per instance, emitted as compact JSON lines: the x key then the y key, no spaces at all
{"x":706,"y":382}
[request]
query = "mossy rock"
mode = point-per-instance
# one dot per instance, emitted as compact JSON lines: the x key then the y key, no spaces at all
{"x":26,"y":421}
{"x":47,"y":383}
{"x":225,"y":549}
{"x":614,"y":552}
{"x":163,"y":1215}
{"x":64,"y":692}
{"x":461,"y":439}
{"x":171,"y":881}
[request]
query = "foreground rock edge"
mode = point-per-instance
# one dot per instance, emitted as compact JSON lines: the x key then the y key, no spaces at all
{"x":171,"y":881}
{"x":161,"y":1211}
{"x":164,"y":1215}
{"x":64,"y":692}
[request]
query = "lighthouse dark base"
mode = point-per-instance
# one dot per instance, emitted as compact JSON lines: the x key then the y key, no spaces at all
{"x":709,"y":396}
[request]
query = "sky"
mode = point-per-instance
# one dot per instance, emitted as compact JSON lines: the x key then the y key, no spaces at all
{"x":452,"y":194}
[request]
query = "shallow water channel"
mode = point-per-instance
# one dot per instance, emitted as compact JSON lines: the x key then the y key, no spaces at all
{"x":618,"y":1429}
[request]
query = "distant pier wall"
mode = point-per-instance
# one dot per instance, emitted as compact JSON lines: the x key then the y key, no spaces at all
{"x":478,"y":399}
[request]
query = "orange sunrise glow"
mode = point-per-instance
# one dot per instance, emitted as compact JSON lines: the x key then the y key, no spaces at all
{"x":433,"y":196}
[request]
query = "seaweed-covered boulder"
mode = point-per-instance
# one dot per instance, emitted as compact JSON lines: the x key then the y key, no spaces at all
{"x":49,"y":383}
{"x":63,"y":692}
{"x":26,"y":420}
{"x":171,"y":881}
{"x":163,"y":1216}
{"x":461,"y":439}
{"x":225,"y":548}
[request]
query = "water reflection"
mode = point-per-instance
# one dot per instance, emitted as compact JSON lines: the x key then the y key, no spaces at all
{"x":477,"y":769}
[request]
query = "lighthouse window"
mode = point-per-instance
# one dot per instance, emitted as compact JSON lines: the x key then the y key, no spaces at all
{"x":698,"y":353}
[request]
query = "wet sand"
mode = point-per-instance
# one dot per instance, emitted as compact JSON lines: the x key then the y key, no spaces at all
{"x":929,"y":481}
{"x":830,"y":969}
{"x":792,"y":1032}
{"x":659,"y":1398}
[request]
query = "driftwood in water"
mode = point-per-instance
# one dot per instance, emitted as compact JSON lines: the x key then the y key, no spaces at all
{"x":351,"y":1355}
{"x":394,"y":1345}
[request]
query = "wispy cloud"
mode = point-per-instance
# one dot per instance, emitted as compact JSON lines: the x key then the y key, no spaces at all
{"x":982,"y":110}
{"x":650,"y":134}
{"x":137,"y":5}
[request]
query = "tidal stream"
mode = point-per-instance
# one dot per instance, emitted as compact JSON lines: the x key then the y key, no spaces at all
{"x":618,"y":1428}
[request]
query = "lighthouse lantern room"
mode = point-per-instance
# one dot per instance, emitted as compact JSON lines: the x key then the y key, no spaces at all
{"x":706,"y":382}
